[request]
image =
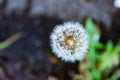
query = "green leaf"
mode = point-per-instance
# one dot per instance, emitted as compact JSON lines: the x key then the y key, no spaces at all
{"x":109,"y":47}
{"x":91,"y":27}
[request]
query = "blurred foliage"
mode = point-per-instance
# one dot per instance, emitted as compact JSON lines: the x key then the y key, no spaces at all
{"x":102,"y":61}
{"x":10,"y":40}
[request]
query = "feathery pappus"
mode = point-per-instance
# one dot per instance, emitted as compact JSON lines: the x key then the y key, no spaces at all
{"x":69,"y":41}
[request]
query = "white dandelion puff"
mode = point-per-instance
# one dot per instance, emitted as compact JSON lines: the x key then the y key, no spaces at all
{"x":69,"y":41}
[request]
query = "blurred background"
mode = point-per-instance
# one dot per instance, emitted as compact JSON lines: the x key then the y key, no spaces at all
{"x":25,"y":27}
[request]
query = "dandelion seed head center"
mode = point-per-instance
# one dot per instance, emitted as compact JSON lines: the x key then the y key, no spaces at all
{"x":70,"y":42}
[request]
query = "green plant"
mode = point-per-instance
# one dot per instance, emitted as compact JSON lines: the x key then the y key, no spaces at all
{"x":101,"y":58}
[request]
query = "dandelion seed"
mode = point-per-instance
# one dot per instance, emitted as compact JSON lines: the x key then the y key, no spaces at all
{"x":69,"y":41}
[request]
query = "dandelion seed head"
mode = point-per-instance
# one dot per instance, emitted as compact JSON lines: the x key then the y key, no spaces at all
{"x":69,"y":41}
